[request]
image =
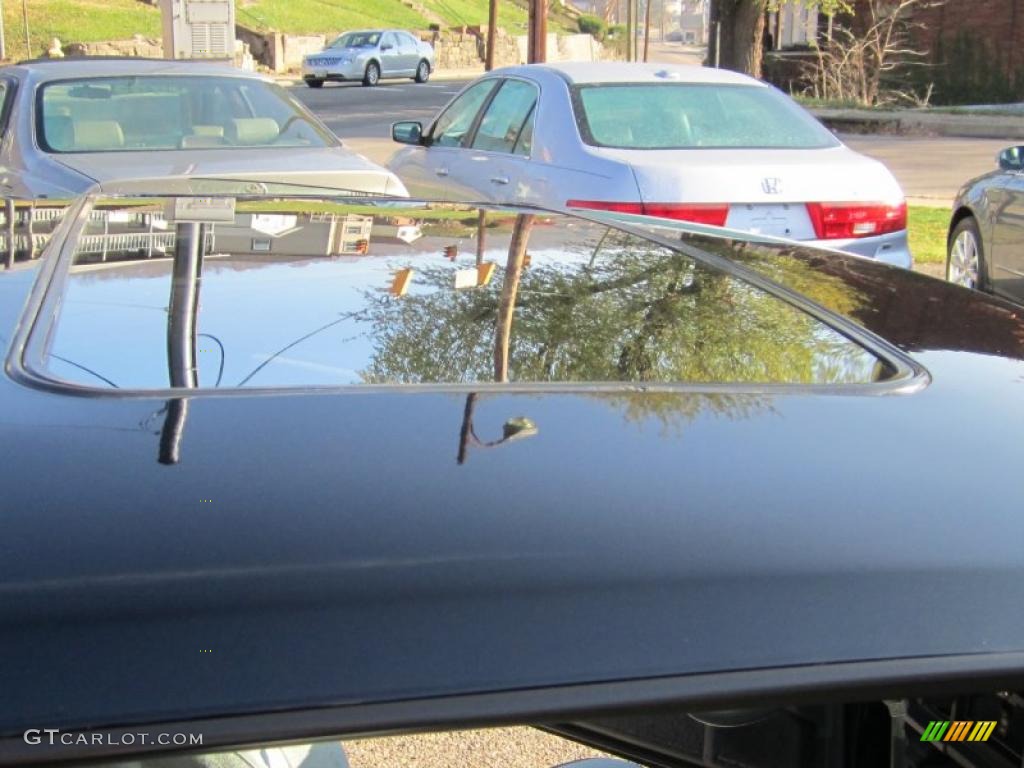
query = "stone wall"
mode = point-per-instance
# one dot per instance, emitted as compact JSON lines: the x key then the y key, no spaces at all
{"x":279,"y":52}
{"x":148,"y":47}
{"x":568,"y":48}
{"x":457,"y":48}
{"x":294,"y":47}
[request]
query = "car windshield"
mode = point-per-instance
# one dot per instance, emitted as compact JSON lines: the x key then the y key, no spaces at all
{"x":691,"y":115}
{"x":121,"y":114}
{"x":357,"y":40}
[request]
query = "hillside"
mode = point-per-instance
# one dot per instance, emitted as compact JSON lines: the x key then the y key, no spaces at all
{"x":75,"y":21}
{"x":91,"y":20}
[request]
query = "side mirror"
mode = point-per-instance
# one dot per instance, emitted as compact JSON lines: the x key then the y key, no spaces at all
{"x":407,"y":132}
{"x":1012,"y":159}
{"x":386,"y":46}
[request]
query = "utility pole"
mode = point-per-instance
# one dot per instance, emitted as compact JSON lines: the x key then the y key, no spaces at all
{"x":3,"y":44}
{"x":28,"y":40}
{"x":647,"y":27}
{"x":537,"y":40}
{"x":492,"y":23}
{"x":630,"y":32}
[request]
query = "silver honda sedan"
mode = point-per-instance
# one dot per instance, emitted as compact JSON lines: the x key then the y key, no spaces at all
{"x":370,"y":56}
{"x":70,"y":124}
{"x":688,"y":143}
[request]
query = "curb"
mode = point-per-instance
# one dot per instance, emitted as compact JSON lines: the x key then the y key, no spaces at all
{"x":443,"y":74}
{"x":1005,"y":127}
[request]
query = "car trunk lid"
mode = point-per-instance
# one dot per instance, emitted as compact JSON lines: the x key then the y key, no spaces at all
{"x":772,"y":192}
{"x":333,"y":169}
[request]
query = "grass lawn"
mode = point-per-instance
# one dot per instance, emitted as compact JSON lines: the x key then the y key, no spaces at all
{"x":75,"y":21}
{"x":927,"y":229}
{"x":471,"y":12}
{"x":327,"y":16}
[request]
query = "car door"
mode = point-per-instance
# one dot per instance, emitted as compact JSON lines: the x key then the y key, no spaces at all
{"x":427,"y":170}
{"x":408,"y":52}
{"x":496,"y":163}
{"x":390,"y":56}
{"x":1006,"y":202}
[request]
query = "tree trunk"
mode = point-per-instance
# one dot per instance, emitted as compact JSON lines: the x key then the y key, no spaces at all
{"x":742,"y":34}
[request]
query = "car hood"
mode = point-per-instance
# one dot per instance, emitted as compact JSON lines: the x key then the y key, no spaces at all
{"x":331,"y":167}
{"x":738,"y":175}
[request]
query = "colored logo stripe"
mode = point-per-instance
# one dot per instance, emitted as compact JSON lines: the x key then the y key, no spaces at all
{"x":958,"y":730}
{"x":935,"y":730}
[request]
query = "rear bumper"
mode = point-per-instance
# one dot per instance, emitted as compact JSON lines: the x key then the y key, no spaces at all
{"x":891,"y":248}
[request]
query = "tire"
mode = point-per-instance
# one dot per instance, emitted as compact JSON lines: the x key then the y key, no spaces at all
{"x":315,"y":83}
{"x":965,"y":255}
{"x":372,"y":75}
{"x":422,"y":71}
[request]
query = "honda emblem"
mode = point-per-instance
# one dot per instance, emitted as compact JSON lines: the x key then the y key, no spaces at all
{"x":771,"y":185}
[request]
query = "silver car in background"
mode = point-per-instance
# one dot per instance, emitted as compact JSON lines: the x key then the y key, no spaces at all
{"x":70,"y":124}
{"x":370,"y":56}
{"x":682,"y":142}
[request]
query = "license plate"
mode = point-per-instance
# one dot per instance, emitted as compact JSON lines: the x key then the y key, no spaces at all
{"x":779,"y":220}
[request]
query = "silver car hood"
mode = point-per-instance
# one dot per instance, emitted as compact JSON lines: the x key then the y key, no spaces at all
{"x":758,"y":175}
{"x":331,"y":167}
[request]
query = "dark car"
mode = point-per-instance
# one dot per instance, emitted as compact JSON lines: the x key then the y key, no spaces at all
{"x":287,"y":470}
{"x":986,"y":234}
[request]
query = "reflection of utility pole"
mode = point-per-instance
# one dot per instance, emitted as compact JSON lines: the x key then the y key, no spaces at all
{"x":481,"y":235}
{"x":513,"y":429}
{"x":10,"y":212}
{"x":184,"y":305}
{"x":509,"y":290}
{"x":176,"y":413}
{"x":181,"y":334}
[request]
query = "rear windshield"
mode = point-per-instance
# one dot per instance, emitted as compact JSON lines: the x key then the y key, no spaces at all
{"x":689,"y":116}
{"x":281,"y":293}
{"x":120,"y":114}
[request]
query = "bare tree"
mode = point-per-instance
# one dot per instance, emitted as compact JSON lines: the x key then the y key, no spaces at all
{"x":860,"y":62}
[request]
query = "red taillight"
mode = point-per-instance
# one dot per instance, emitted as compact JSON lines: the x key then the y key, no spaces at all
{"x":714,"y":214}
{"x":846,"y":221}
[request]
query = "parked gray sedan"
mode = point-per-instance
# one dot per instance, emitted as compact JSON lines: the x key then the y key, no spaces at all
{"x":985,"y":248}
{"x":689,"y":143}
{"x":71,"y":124}
{"x":369,"y":56}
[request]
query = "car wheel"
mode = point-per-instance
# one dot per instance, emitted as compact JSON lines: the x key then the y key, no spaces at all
{"x":422,"y":72}
{"x":315,"y":83}
{"x":965,"y":259}
{"x":372,"y":74}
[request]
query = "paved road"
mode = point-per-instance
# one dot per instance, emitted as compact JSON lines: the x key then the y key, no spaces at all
{"x":352,"y":111}
{"x":930,"y":170}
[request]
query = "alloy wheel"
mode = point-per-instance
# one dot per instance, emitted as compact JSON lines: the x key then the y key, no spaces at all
{"x":962,"y":267}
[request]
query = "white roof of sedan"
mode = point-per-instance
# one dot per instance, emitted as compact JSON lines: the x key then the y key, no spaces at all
{"x":580,"y":72}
